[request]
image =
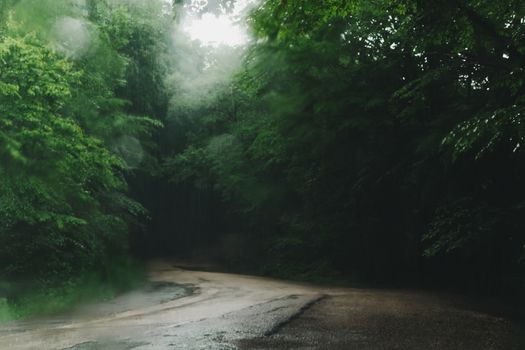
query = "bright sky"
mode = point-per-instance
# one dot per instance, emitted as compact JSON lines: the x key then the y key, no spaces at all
{"x":213,"y":30}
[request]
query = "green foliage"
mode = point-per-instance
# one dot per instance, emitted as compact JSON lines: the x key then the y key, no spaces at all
{"x":356,"y":122}
{"x":458,"y":225}
{"x":69,"y":139}
{"x":380,"y":139}
{"x":54,"y":180}
{"x":119,"y":275}
{"x":485,"y":134}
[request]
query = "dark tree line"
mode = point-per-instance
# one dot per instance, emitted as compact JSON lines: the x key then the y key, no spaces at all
{"x":380,"y":139}
{"x":374,"y":140}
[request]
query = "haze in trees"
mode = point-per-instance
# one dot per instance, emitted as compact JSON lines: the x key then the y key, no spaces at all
{"x":379,"y":142}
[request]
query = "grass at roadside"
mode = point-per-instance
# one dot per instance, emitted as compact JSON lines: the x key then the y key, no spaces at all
{"x":32,"y":299}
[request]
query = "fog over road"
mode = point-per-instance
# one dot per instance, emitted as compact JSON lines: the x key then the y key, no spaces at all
{"x":184,"y":309}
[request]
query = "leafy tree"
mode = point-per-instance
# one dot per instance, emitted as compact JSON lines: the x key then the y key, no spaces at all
{"x":67,"y":143}
{"x":56,"y":180}
{"x":363,"y":126}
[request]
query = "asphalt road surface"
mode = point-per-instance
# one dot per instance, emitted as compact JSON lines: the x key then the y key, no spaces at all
{"x":183,"y":309}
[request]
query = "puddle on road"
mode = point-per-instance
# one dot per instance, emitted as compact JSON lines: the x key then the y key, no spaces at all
{"x":92,"y":345}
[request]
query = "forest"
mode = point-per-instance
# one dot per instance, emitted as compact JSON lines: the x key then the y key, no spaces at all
{"x":342,"y":141}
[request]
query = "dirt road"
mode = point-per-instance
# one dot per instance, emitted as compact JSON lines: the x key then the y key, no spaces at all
{"x":184,"y":309}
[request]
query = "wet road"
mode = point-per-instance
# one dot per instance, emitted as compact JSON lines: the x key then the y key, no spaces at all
{"x":184,"y":309}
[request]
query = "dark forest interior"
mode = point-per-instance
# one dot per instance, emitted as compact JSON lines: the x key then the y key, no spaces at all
{"x":356,"y":142}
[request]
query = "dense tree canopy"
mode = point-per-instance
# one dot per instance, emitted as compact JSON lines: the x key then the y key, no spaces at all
{"x":66,"y":142}
{"x":379,"y":140}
